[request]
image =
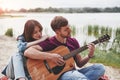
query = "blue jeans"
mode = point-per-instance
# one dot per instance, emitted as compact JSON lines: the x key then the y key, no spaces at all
{"x":18,"y":66}
{"x":93,"y":72}
{"x":15,"y":69}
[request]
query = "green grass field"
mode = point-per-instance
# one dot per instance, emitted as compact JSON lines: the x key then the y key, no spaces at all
{"x":107,"y":58}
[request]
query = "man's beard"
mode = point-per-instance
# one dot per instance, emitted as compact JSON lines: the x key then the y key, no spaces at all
{"x":69,"y":35}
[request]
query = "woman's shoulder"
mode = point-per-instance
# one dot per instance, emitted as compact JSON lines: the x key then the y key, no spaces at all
{"x":21,"y":37}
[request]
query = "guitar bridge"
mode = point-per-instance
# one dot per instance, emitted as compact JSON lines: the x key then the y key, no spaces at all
{"x":56,"y":70}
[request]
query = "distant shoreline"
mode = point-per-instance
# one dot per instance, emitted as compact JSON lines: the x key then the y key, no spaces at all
{"x":11,"y":16}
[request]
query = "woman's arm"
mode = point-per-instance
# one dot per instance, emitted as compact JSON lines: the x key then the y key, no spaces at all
{"x":22,"y":44}
{"x":36,"y":41}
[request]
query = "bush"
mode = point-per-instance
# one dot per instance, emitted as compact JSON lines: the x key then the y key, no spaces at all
{"x":9,"y":32}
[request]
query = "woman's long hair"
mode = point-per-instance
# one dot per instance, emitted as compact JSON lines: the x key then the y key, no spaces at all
{"x":29,"y":29}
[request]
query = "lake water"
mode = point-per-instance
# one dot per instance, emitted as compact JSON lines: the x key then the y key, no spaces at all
{"x":79,"y":20}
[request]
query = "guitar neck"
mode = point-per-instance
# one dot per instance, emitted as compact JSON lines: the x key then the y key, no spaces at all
{"x":74,"y":52}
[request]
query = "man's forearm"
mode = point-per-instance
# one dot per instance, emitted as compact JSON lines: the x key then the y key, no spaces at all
{"x":82,"y":62}
{"x":36,"y":54}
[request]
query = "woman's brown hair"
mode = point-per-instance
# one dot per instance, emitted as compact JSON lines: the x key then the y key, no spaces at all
{"x":29,"y":29}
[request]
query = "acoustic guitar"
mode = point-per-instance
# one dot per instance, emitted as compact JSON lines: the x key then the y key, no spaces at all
{"x":47,"y":70}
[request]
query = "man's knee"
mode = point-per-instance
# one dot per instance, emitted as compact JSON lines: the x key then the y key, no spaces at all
{"x":100,"y":67}
{"x":73,"y":75}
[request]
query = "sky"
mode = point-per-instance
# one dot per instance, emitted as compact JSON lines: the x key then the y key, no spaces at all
{"x":27,"y":4}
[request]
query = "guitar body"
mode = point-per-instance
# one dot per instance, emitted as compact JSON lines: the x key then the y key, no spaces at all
{"x":38,"y":70}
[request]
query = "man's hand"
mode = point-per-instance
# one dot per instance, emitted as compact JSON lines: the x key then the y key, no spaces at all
{"x":57,"y":59}
{"x":91,"y":48}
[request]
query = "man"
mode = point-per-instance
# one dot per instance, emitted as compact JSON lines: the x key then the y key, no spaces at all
{"x":60,"y":26}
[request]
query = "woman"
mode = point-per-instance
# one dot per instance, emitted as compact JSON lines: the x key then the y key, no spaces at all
{"x":32,"y":35}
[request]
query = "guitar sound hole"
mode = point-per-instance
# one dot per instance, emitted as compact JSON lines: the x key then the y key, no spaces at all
{"x":56,"y":70}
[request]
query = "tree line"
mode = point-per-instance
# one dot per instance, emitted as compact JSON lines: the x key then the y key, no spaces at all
{"x":68,"y":10}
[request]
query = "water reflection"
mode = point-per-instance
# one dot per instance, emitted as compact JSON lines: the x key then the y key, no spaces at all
{"x":92,"y":32}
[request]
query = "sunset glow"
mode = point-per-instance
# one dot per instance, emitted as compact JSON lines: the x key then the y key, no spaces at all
{"x":18,"y":4}
{"x":11,"y":4}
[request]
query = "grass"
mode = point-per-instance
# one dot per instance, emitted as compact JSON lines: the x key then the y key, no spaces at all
{"x":9,"y":32}
{"x":106,"y":58}
{"x":110,"y":57}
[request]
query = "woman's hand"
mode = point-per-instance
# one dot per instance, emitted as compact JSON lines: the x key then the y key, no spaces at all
{"x":44,"y":37}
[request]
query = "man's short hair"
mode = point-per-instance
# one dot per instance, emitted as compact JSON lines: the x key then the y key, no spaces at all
{"x":58,"y":22}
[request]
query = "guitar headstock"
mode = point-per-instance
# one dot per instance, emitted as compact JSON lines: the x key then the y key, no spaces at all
{"x":103,"y":38}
